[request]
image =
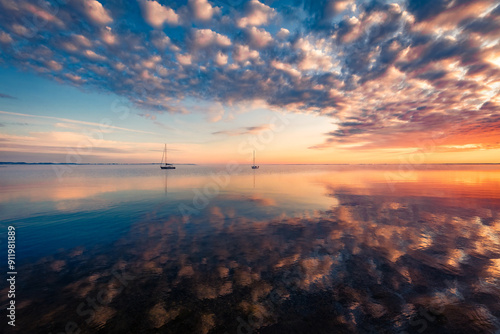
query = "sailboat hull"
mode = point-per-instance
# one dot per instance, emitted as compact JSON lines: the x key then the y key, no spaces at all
{"x":254,"y":166}
{"x":167,"y":167}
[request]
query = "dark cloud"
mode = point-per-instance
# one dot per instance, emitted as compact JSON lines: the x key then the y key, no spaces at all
{"x":489,"y":25}
{"x":432,"y":75}
{"x":6,"y":96}
{"x":426,"y":9}
{"x":243,"y":131}
{"x":16,"y":123}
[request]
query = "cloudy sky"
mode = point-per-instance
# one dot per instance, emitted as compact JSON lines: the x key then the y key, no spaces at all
{"x":309,"y":81}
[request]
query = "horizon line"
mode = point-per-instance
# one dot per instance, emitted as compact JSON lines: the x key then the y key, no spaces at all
{"x":222,"y":163}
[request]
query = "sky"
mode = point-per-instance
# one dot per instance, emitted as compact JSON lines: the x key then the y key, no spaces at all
{"x":311,"y":81}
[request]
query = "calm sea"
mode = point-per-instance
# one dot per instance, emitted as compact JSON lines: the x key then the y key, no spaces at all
{"x":228,"y":249}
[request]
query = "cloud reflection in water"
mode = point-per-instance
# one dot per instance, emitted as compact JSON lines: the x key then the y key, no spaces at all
{"x":373,"y":261}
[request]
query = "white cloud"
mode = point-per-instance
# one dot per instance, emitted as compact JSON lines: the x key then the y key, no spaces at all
{"x":315,"y":56}
{"x":21,"y":30}
{"x":74,"y":78}
{"x":55,"y":66}
{"x":96,"y":12}
{"x":340,"y":6}
{"x":285,"y":67}
{"x":119,"y":66}
{"x":242,"y":53}
{"x":162,"y":41}
{"x":157,"y":15}
{"x":283,"y":33}
{"x":92,"y":55}
{"x":44,"y":15}
{"x":5,"y":38}
{"x":202,"y":10}
{"x":151,"y":62}
{"x":70,"y":47}
{"x":257,"y":14}
{"x":206,"y":37}
{"x":161,"y":70}
{"x":221,"y":59}
{"x":184,"y":59}
{"x":108,"y":37}
{"x":82,"y":40}
{"x":259,"y":38}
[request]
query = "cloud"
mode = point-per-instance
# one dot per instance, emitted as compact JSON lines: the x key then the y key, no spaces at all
{"x":314,"y":55}
{"x":242,"y":53}
{"x":285,"y":67}
{"x":92,"y":55}
{"x":221,"y":59}
{"x":250,"y":130}
{"x":283,"y":33}
{"x":45,"y":16}
{"x":371,"y":66}
{"x":6,"y":96}
{"x":96,"y":12}
{"x":184,"y":59}
{"x":202,"y":9}
{"x":162,"y":41}
{"x":5,"y":38}
{"x":256,"y":14}
{"x":215,"y":113}
{"x":108,"y":37}
{"x":259,"y":38}
{"x":157,"y":15}
{"x":203,"y":38}
{"x":60,"y":119}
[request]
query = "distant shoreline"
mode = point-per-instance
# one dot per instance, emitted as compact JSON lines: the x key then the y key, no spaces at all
{"x":191,"y":164}
{"x":84,"y":164}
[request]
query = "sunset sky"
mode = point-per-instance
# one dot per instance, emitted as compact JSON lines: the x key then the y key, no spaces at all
{"x":415,"y":81}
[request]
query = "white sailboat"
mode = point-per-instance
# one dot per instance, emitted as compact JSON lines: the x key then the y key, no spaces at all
{"x":164,"y":158}
{"x":254,"y":166}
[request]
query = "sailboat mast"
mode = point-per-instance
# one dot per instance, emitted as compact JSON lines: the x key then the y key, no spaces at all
{"x":165,"y":154}
{"x":254,"y":157}
{"x":162,"y":157}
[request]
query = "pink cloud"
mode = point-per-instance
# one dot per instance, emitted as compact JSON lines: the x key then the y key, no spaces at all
{"x":96,"y":12}
{"x":259,"y":38}
{"x":205,"y":37}
{"x":257,"y":14}
{"x":202,"y":9}
{"x":156,"y":15}
{"x":5,"y":38}
{"x":221,"y":59}
{"x":184,"y":59}
{"x":242,"y":53}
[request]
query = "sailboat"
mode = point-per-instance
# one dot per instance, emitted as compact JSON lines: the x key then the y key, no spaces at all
{"x":164,"y":156}
{"x":254,"y":166}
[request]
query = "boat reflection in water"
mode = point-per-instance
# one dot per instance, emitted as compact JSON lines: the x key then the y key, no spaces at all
{"x":307,"y":250}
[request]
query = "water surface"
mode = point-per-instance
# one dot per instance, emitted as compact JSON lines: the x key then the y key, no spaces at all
{"x":282,"y":249}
